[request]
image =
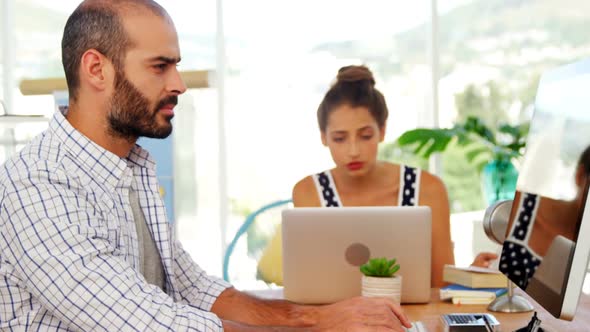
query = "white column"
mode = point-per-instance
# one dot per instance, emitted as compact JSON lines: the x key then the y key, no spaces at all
{"x":222,"y":156}
{"x":8,"y":53}
{"x":435,"y":161}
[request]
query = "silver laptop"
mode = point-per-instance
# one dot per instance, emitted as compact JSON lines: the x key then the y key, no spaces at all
{"x":324,"y":247}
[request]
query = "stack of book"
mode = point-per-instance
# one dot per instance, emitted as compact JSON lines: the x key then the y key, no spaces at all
{"x":472,"y":285}
{"x":474,"y":277}
{"x":466,"y":295}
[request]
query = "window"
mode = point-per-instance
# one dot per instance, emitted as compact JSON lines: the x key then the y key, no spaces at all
{"x":492,"y":54}
{"x":282,"y":57}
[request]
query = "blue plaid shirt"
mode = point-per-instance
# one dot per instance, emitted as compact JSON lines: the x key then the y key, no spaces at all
{"x":69,"y":250}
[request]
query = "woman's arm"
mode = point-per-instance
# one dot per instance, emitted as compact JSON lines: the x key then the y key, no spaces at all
{"x":305,"y":194}
{"x":434,"y":194}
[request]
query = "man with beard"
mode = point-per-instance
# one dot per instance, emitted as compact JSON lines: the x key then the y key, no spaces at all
{"x":85,"y":243}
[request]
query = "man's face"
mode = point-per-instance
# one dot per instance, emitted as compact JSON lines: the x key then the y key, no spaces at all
{"x":145,"y":91}
{"x":133,"y":115}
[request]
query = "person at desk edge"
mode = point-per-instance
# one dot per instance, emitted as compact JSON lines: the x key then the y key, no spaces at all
{"x":352,"y":121}
{"x":86,"y":245}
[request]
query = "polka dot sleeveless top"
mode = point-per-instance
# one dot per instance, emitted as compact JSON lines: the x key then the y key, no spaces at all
{"x":408,"y":194}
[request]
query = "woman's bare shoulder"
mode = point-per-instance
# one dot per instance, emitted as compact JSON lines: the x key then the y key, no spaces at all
{"x":431,"y":180}
{"x":427,"y":179}
{"x":433,"y":190}
{"x":305,"y":193}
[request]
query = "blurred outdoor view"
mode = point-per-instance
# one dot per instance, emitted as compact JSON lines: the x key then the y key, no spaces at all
{"x":281,"y":58}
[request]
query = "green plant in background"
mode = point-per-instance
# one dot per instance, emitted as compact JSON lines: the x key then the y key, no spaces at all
{"x":480,"y":135}
{"x":462,"y":180}
{"x":482,"y":144}
{"x":394,"y":153}
{"x":490,"y":150}
{"x":380,"y":267}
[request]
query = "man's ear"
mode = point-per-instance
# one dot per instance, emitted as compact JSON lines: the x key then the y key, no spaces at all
{"x":96,"y":70}
{"x":580,"y":177}
{"x":324,"y":138}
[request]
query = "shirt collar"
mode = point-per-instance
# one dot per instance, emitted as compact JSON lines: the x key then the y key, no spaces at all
{"x":107,"y":166}
{"x":141,"y":157}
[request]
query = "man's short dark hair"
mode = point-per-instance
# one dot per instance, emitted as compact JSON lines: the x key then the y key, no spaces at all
{"x":98,"y":25}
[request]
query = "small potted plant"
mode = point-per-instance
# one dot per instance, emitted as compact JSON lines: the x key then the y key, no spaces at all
{"x":379,"y":279}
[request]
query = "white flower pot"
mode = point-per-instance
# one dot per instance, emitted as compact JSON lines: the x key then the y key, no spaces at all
{"x":382,"y":287}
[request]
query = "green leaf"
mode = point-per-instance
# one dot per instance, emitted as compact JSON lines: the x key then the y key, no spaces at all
{"x":380,"y":267}
{"x":436,"y":146}
{"x":420,"y":147}
{"x":478,"y":127}
{"x":426,"y":141}
{"x":394,"y":269}
{"x":472,"y":154}
{"x":365,"y":270}
{"x":517,"y":131}
{"x":391,"y":263}
{"x":480,"y":165}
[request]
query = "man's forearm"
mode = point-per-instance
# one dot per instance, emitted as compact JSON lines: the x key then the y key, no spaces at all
{"x":231,"y":326}
{"x":237,"y":306}
{"x":242,"y":312}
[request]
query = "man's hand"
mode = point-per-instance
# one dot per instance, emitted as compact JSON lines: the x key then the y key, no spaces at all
{"x":362,"y":314}
{"x":243,"y":312}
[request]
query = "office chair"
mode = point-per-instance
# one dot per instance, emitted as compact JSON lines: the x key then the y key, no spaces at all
{"x":250,"y":219}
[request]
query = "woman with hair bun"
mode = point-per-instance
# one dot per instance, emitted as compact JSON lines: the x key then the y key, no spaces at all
{"x":352,"y":121}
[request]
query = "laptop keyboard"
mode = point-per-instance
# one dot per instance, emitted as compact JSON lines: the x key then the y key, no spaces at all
{"x":416,"y":327}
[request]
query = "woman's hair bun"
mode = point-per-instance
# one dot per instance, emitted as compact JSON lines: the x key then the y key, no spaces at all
{"x":351,"y":74}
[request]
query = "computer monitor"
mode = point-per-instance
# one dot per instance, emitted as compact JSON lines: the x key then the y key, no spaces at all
{"x":547,"y":242}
